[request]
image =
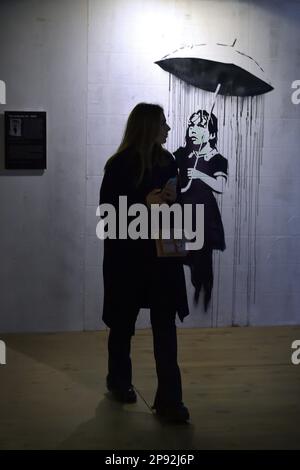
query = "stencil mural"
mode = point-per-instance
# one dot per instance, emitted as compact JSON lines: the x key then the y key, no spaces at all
{"x":216,"y":113}
{"x":202,"y":169}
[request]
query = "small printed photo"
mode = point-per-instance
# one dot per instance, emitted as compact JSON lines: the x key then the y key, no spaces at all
{"x":15,"y":127}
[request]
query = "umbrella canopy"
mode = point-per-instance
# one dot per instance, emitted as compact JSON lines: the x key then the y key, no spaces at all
{"x":206,"y":65}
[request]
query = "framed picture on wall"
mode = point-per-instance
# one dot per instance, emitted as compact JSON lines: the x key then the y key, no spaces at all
{"x":25,"y":140}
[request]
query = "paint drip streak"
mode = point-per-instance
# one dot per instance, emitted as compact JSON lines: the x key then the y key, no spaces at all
{"x":240,"y":140}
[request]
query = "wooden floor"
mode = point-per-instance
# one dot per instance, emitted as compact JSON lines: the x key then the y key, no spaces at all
{"x":239,"y":385}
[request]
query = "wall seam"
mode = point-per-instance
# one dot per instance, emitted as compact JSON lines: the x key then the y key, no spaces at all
{"x":84,"y":324}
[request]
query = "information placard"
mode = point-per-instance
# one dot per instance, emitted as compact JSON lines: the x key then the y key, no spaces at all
{"x":25,"y":139}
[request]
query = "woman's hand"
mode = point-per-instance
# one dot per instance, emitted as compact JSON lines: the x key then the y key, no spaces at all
{"x":154,"y":197}
{"x":169,"y":193}
{"x":160,"y":196}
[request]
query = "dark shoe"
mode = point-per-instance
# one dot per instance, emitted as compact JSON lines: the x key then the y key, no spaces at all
{"x":123,"y":395}
{"x":173,"y":414}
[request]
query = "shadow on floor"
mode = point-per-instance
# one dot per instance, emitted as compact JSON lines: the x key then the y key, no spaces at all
{"x":117,"y":426}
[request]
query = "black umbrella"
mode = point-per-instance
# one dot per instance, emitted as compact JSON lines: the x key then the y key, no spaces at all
{"x":207,"y":65}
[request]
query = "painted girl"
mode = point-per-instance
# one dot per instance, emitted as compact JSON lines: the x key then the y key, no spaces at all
{"x":203,"y":171}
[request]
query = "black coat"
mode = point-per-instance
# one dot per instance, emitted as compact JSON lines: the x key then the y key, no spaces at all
{"x":134,"y":277}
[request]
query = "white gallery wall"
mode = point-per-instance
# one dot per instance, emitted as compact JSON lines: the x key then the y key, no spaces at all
{"x":87,"y":63}
{"x":43,"y":61}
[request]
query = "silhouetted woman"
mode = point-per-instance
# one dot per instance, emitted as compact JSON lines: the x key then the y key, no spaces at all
{"x":134,"y":277}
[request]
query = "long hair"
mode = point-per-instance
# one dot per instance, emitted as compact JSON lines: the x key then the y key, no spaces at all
{"x":212,"y":127}
{"x":140,"y":135}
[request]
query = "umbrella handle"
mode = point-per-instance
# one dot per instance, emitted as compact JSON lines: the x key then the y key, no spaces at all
{"x":184,"y":190}
{"x":214,"y":101}
{"x":187,"y":187}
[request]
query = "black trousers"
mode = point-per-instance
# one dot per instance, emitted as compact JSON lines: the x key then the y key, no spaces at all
{"x":169,"y":389}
